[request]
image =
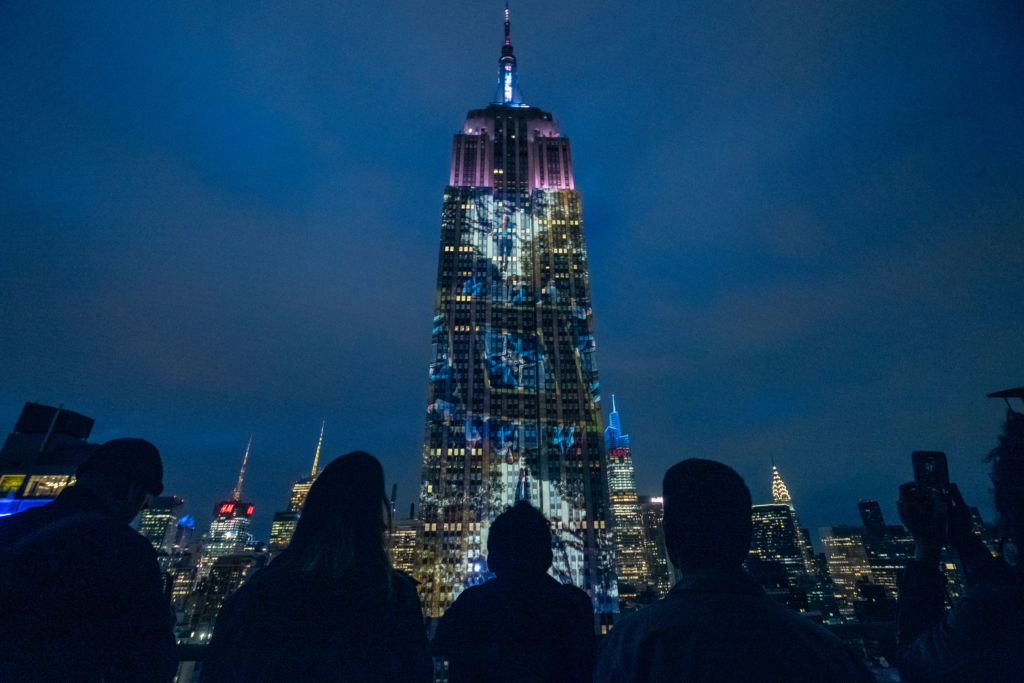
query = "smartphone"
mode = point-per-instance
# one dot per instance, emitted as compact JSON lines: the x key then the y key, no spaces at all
{"x":931,"y":473}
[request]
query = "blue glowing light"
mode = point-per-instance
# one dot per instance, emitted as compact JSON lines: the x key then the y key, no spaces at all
{"x":12,"y":506}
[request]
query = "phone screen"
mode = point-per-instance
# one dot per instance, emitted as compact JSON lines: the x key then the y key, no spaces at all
{"x":931,"y":472}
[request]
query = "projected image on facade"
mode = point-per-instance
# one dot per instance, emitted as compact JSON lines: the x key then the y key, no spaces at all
{"x":513,"y":410}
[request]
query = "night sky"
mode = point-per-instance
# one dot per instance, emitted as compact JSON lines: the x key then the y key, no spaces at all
{"x":804,"y":223}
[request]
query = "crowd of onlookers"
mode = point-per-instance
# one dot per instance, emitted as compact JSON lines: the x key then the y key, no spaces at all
{"x":83,"y":600}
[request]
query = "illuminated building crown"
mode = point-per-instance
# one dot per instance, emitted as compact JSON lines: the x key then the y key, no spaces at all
{"x":780,"y":494}
{"x":613,"y":436}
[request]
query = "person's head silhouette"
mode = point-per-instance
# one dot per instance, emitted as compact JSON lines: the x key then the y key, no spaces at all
{"x":343,"y":522}
{"x":519,"y":542}
{"x":707,"y":516}
{"x":126,"y":474}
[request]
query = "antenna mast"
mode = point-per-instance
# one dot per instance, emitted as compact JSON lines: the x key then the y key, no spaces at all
{"x":316,"y":458}
{"x":241,"y":473}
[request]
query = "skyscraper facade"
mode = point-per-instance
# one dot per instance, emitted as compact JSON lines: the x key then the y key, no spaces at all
{"x":285,"y":521}
{"x":630,"y":558}
{"x":847,"y":563}
{"x":230,"y":554}
{"x":660,"y":575}
{"x":776,"y":538}
{"x":231,"y":526}
{"x":777,"y":535}
{"x":512,"y":412}
{"x":888,"y":548}
{"x":404,"y":542}
{"x":159,"y":521}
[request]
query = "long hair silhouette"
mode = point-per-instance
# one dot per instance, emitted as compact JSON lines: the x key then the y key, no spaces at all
{"x":341,"y":530}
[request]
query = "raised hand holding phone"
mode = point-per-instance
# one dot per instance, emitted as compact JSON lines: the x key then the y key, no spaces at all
{"x":924,"y":504}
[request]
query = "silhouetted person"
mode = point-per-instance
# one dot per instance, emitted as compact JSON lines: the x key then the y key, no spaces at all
{"x":522,"y":625}
{"x":81,"y":590}
{"x":717,"y":623}
{"x":330,"y":607}
{"x":982,"y":637}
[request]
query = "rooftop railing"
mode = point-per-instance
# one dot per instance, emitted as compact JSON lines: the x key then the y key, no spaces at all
{"x":874,"y":641}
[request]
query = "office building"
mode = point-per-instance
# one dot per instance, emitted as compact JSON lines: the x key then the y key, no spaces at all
{"x":660,"y":574}
{"x":405,"y":545}
{"x":158,"y":523}
{"x":781,"y":556}
{"x":282,"y":529}
{"x":227,"y":556}
{"x":231,"y":526}
{"x":630,"y":558}
{"x":513,"y":396}
{"x":847,"y":563}
{"x":285,"y":521}
{"x":888,"y":547}
{"x":776,"y":539}
{"x":777,"y":535}
{"x":224,"y":576}
{"x":230,"y":529}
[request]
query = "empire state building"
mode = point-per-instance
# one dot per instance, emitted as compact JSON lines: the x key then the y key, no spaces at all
{"x":513,"y":401}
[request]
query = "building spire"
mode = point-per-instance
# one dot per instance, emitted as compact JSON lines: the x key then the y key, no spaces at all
{"x":316,"y":458}
{"x":508,"y":80}
{"x":241,"y":473}
{"x":508,"y":39}
{"x":780,"y":494}
{"x":613,"y":436}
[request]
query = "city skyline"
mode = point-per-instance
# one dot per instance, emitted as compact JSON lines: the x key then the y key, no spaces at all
{"x":809,"y":215}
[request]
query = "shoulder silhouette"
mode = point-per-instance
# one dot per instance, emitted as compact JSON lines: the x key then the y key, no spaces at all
{"x":522,"y":625}
{"x":717,"y":623}
{"x":85,"y":586}
{"x":330,"y":607}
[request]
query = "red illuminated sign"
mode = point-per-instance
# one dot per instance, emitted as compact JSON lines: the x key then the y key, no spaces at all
{"x":620,"y":452}
{"x":226,"y":508}
{"x":248,"y":511}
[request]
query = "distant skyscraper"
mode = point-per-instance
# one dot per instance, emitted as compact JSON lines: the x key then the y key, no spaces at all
{"x":284,"y":523}
{"x":222,"y":578}
{"x":781,"y":555}
{"x":776,"y":538}
{"x":630,"y":558}
{"x":847,"y":563}
{"x":659,"y":570}
{"x":230,"y":529}
{"x":777,"y":535}
{"x":229,"y":555}
{"x":513,"y":390}
{"x":159,"y":521}
{"x":888,"y":547}
{"x":282,"y":529}
{"x":405,"y":544}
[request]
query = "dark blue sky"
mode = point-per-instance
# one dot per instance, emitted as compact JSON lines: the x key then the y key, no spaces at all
{"x":804,"y":223}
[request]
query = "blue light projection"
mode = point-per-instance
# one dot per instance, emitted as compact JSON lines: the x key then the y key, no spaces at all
{"x":513,"y":411}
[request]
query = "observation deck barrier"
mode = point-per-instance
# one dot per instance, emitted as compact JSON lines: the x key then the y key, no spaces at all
{"x":874,"y":641}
